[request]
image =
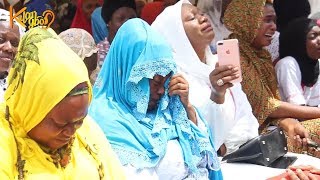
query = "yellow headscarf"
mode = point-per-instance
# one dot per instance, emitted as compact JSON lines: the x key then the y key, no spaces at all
{"x":243,"y":18}
{"x":44,"y":71}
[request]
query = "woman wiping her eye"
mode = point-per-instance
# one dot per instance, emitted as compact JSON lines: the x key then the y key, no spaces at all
{"x":144,"y":109}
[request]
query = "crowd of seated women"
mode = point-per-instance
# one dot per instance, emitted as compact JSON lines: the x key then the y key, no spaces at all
{"x":116,"y":97}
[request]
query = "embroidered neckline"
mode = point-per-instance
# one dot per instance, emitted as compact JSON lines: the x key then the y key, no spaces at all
{"x":62,"y":156}
{"x":67,"y":151}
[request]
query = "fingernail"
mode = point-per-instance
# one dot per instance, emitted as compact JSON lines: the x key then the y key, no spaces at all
{"x":236,"y":68}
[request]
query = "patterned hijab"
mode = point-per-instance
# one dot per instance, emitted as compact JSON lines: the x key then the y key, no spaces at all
{"x":121,"y":96}
{"x":243,"y":19}
{"x":36,"y":72}
{"x":40,"y":77}
{"x":293,"y":39}
{"x":80,"y":41}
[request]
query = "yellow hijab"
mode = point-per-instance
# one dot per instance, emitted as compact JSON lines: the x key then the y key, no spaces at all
{"x":243,"y":19}
{"x":44,"y":71}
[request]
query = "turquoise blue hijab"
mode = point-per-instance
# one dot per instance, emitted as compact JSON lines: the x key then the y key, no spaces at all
{"x":120,"y":103}
{"x":99,"y":27}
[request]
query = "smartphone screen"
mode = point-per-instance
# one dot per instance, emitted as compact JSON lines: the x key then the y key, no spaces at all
{"x":228,"y":53}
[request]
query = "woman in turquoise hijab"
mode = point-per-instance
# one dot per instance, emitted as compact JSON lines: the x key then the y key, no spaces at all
{"x":143,"y":108}
{"x":99,"y":27}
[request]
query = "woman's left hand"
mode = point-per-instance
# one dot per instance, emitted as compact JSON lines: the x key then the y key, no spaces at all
{"x":295,"y":131}
{"x":179,"y":86}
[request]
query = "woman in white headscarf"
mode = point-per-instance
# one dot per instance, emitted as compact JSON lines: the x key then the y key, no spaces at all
{"x":214,"y":9}
{"x":82,"y":43}
{"x":232,"y":122}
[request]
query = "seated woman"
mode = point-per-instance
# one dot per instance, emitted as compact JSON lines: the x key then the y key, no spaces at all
{"x":143,"y":107}
{"x":254,"y":28}
{"x":82,"y":43}
{"x":114,"y":13}
{"x":190,"y":33}
{"x":99,"y":27}
{"x":298,"y":70}
{"x":82,"y":18}
{"x":215,"y":9}
{"x":45,"y":132}
{"x":9,"y":41}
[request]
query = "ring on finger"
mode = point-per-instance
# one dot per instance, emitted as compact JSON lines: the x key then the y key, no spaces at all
{"x":220,"y":82}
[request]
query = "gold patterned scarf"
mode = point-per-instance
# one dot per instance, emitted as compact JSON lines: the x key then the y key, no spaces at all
{"x":243,"y":18}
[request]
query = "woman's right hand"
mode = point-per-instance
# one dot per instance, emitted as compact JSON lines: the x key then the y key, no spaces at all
{"x":302,"y":173}
{"x":225,"y":74}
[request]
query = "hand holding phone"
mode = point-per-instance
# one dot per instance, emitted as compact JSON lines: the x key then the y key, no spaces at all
{"x":229,"y":54}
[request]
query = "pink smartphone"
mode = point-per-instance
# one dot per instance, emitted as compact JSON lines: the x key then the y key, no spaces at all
{"x":228,"y":53}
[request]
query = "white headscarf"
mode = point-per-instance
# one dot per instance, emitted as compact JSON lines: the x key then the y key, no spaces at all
{"x":315,"y":6}
{"x":169,"y":24}
{"x":174,"y":32}
{"x":5,"y":16}
{"x":214,"y":8}
{"x":80,"y":41}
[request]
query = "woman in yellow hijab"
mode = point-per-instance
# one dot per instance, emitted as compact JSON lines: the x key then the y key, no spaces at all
{"x":252,"y":22}
{"x":44,"y":129}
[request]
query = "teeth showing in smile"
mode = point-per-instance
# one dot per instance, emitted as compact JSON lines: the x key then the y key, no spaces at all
{"x":5,"y":59}
{"x":268,"y":35}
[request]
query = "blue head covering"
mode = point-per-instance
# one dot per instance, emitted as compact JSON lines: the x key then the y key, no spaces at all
{"x":121,"y":96}
{"x":38,"y":5}
{"x":99,"y":27}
